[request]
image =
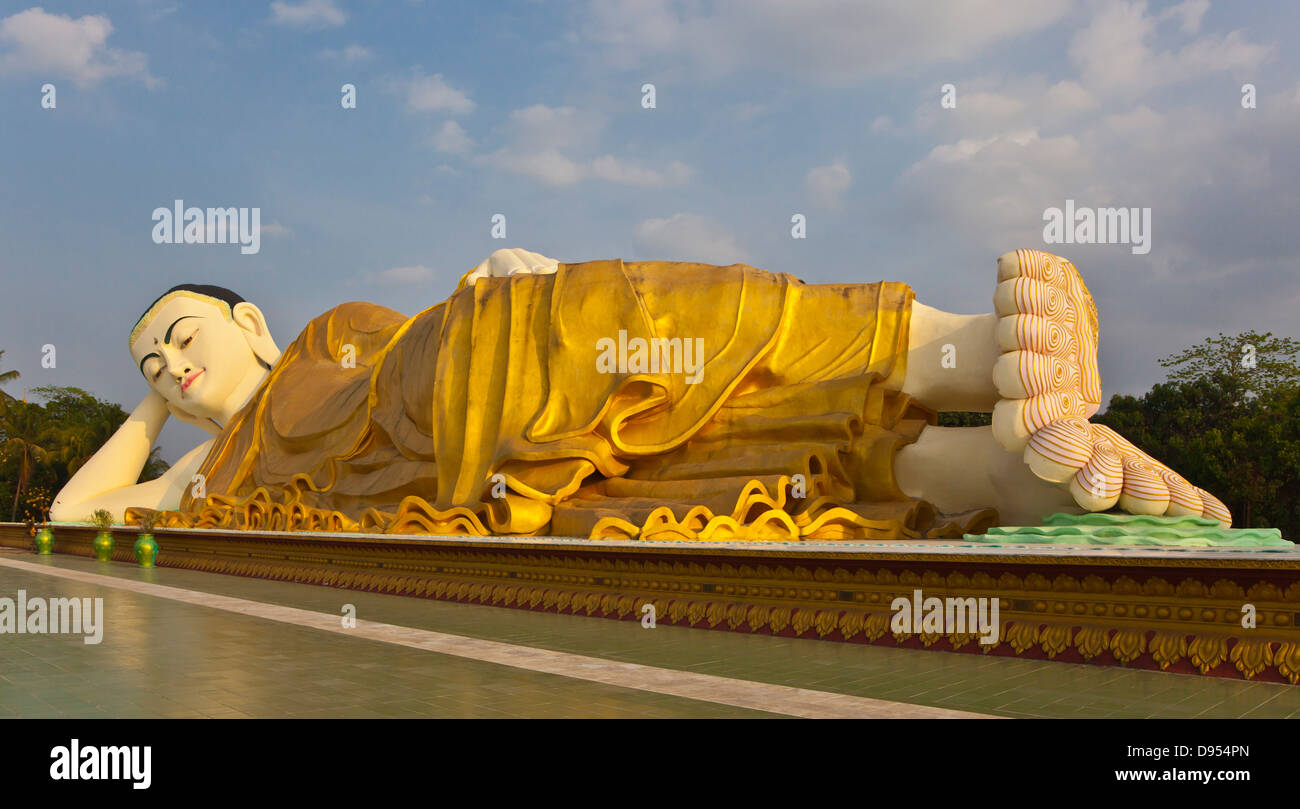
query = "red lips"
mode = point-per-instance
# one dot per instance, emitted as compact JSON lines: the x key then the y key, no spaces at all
{"x":190,"y":379}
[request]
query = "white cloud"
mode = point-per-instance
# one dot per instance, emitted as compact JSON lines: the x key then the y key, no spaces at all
{"x":275,"y":229}
{"x":349,"y":55}
{"x":1017,"y":146}
{"x":993,"y":190}
{"x":154,"y":10}
{"x":614,"y":170}
{"x":821,"y":40}
{"x":417,"y":274}
{"x":554,"y":145}
{"x":542,"y":127}
{"x":1219,"y":181}
{"x":308,"y":14}
{"x":1066,"y":97}
{"x":1188,"y":13}
{"x":433,"y":94}
{"x":452,"y":138}
{"x":988,"y":106}
{"x":55,"y":46}
{"x":689,"y":237}
{"x":1113,"y":52}
{"x":548,"y":166}
{"x":827,"y":184}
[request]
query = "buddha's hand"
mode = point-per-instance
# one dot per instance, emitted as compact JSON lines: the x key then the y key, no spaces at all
{"x":153,"y":412}
{"x":512,"y":261}
{"x":204,"y":424}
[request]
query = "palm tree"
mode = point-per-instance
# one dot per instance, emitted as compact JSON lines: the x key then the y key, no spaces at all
{"x":7,"y":376}
{"x":24,"y":431}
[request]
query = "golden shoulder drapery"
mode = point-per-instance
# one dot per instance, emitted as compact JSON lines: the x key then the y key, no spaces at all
{"x":494,"y":413}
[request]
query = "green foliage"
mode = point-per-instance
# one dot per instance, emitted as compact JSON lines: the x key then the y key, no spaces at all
{"x":1242,"y":368}
{"x":102,"y":519}
{"x":148,"y":519}
{"x":42,"y":445}
{"x":964,"y":419}
{"x":7,"y":376}
{"x":25,"y":434}
{"x":1232,"y":429}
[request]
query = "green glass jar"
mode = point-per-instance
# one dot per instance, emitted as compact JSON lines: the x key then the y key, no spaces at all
{"x":146,"y":550}
{"x":103,"y":546}
{"x":45,"y":541}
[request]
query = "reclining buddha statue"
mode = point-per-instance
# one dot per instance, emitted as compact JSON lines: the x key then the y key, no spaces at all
{"x":649,"y":400}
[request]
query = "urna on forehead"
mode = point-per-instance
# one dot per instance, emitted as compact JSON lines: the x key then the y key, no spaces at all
{"x":220,"y":297}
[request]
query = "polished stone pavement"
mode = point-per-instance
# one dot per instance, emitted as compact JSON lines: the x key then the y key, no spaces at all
{"x":164,"y":657}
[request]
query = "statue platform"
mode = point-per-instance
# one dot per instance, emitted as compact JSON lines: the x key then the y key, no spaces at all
{"x":1177,"y":609}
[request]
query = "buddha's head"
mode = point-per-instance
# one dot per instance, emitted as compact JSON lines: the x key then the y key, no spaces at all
{"x":204,"y":348}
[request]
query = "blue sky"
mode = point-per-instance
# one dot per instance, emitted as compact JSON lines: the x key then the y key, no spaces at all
{"x":533,"y":110}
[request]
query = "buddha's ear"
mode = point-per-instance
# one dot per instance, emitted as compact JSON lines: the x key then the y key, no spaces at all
{"x":249,"y":318}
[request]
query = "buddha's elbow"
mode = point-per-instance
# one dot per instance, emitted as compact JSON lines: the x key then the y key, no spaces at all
{"x":64,"y":512}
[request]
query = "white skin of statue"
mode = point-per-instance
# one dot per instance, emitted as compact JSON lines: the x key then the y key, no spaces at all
{"x":203,"y":363}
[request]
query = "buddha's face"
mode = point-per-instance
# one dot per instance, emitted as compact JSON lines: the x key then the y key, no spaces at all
{"x":194,"y":352}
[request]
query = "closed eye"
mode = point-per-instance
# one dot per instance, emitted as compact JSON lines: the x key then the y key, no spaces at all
{"x":189,"y":339}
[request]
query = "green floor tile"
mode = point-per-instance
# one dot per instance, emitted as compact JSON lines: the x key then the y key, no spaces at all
{"x":161,"y":657}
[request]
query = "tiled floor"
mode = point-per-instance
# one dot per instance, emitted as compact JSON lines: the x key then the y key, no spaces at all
{"x":163,"y":658}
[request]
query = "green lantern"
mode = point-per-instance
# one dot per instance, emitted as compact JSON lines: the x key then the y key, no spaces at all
{"x":44,"y":541}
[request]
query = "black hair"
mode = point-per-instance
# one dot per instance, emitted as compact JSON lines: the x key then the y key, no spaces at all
{"x":220,"y":293}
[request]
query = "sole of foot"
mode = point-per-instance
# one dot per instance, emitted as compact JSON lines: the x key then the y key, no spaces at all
{"x":1049,"y":387}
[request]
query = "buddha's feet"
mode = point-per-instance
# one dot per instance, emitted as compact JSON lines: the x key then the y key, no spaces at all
{"x":1049,"y":387}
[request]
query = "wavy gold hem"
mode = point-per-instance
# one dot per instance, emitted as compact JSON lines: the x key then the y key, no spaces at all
{"x":759,"y":515}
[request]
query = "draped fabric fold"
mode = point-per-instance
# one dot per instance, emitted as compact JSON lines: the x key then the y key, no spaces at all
{"x":610,"y":399}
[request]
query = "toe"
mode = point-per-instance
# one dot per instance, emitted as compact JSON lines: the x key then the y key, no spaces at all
{"x":1015,"y":420}
{"x":1034,"y":333}
{"x":1144,"y":489}
{"x":1009,"y":265}
{"x":1007,"y":377}
{"x":1036,"y":264}
{"x":1059,"y":450}
{"x":1098,"y":485}
{"x":1214,"y":508}
{"x":1184,"y":500}
{"x":1021,"y":374}
{"x":1010,"y":427}
{"x":1028,"y":296}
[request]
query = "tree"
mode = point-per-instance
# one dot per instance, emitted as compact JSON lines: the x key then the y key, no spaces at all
{"x":42,"y":446}
{"x":961,"y":418}
{"x":1244,"y":367}
{"x":7,"y":376}
{"x":26,"y":434}
{"x":1228,"y":419}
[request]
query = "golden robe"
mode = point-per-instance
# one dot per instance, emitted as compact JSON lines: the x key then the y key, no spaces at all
{"x":497,"y":412}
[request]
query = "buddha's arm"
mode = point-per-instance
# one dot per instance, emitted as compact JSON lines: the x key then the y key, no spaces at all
{"x":164,"y":492}
{"x":108,"y":479}
{"x":510,"y":261}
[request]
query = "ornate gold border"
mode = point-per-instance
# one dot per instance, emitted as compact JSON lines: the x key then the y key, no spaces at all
{"x":1182,"y":618}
